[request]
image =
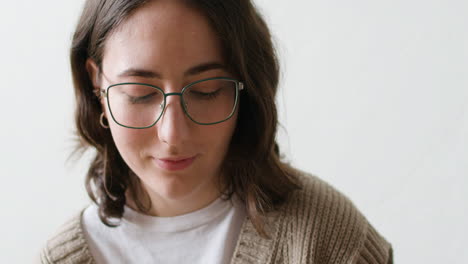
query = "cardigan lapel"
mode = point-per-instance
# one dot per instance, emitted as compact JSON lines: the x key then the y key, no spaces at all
{"x":251,"y":247}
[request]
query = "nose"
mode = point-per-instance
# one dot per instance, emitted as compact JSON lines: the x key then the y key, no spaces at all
{"x":174,"y":126}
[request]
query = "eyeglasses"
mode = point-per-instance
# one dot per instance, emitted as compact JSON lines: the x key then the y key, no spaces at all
{"x":205,"y":102}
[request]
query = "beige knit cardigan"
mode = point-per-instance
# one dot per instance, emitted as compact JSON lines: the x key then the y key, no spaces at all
{"x":316,"y":225}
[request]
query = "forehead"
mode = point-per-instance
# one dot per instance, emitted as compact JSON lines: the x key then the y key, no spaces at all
{"x":165,"y":35}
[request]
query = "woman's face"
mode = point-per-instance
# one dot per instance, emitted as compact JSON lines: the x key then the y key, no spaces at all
{"x":161,"y":44}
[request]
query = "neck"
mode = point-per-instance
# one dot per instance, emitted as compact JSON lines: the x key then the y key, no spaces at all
{"x":167,"y":207}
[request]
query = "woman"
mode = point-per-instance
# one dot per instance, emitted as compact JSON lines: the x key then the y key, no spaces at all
{"x":178,"y":100}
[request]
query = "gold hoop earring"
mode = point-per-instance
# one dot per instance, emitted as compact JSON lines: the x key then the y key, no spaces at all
{"x":101,"y":121}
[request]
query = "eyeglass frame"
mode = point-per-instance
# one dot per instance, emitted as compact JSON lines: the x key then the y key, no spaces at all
{"x":239,"y":88}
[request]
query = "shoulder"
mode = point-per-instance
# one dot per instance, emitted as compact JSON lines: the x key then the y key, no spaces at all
{"x":325,"y":221}
{"x":68,"y":244}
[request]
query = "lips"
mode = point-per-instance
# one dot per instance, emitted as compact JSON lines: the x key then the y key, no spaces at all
{"x":175,"y":163}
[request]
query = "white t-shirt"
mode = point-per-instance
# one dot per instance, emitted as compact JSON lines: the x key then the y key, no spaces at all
{"x":208,"y":235}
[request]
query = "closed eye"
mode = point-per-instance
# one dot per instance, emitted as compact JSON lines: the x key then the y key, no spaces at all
{"x":142,"y":99}
{"x":205,"y":96}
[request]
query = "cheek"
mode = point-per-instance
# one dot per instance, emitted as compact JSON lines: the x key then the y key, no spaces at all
{"x":126,"y":140}
{"x":220,"y":135}
{"x":130,"y":142}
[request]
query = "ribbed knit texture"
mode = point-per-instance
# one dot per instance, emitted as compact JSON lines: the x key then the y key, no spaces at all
{"x":68,"y":246}
{"x":318,"y":225}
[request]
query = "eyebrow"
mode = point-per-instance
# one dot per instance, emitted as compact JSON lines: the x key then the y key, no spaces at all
{"x":136,"y":72}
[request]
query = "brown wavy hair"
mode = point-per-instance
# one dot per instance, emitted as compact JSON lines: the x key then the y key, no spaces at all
{"x":252,"y":169}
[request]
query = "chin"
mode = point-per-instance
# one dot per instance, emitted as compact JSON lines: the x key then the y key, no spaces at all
{"x":172,"y":187}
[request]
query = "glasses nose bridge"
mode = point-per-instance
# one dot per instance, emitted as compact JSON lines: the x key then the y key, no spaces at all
{"x":180,"y":100}
{"x":170,"y":94}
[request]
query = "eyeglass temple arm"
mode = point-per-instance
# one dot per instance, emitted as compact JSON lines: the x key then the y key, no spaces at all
{"x":241,"y":86}
{"x":102,"y":93}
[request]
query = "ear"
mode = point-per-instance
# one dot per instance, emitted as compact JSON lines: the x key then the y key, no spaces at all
{"x":94,"y":75}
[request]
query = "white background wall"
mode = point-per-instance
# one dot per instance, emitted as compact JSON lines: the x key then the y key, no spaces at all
{"x":374,"y":99}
